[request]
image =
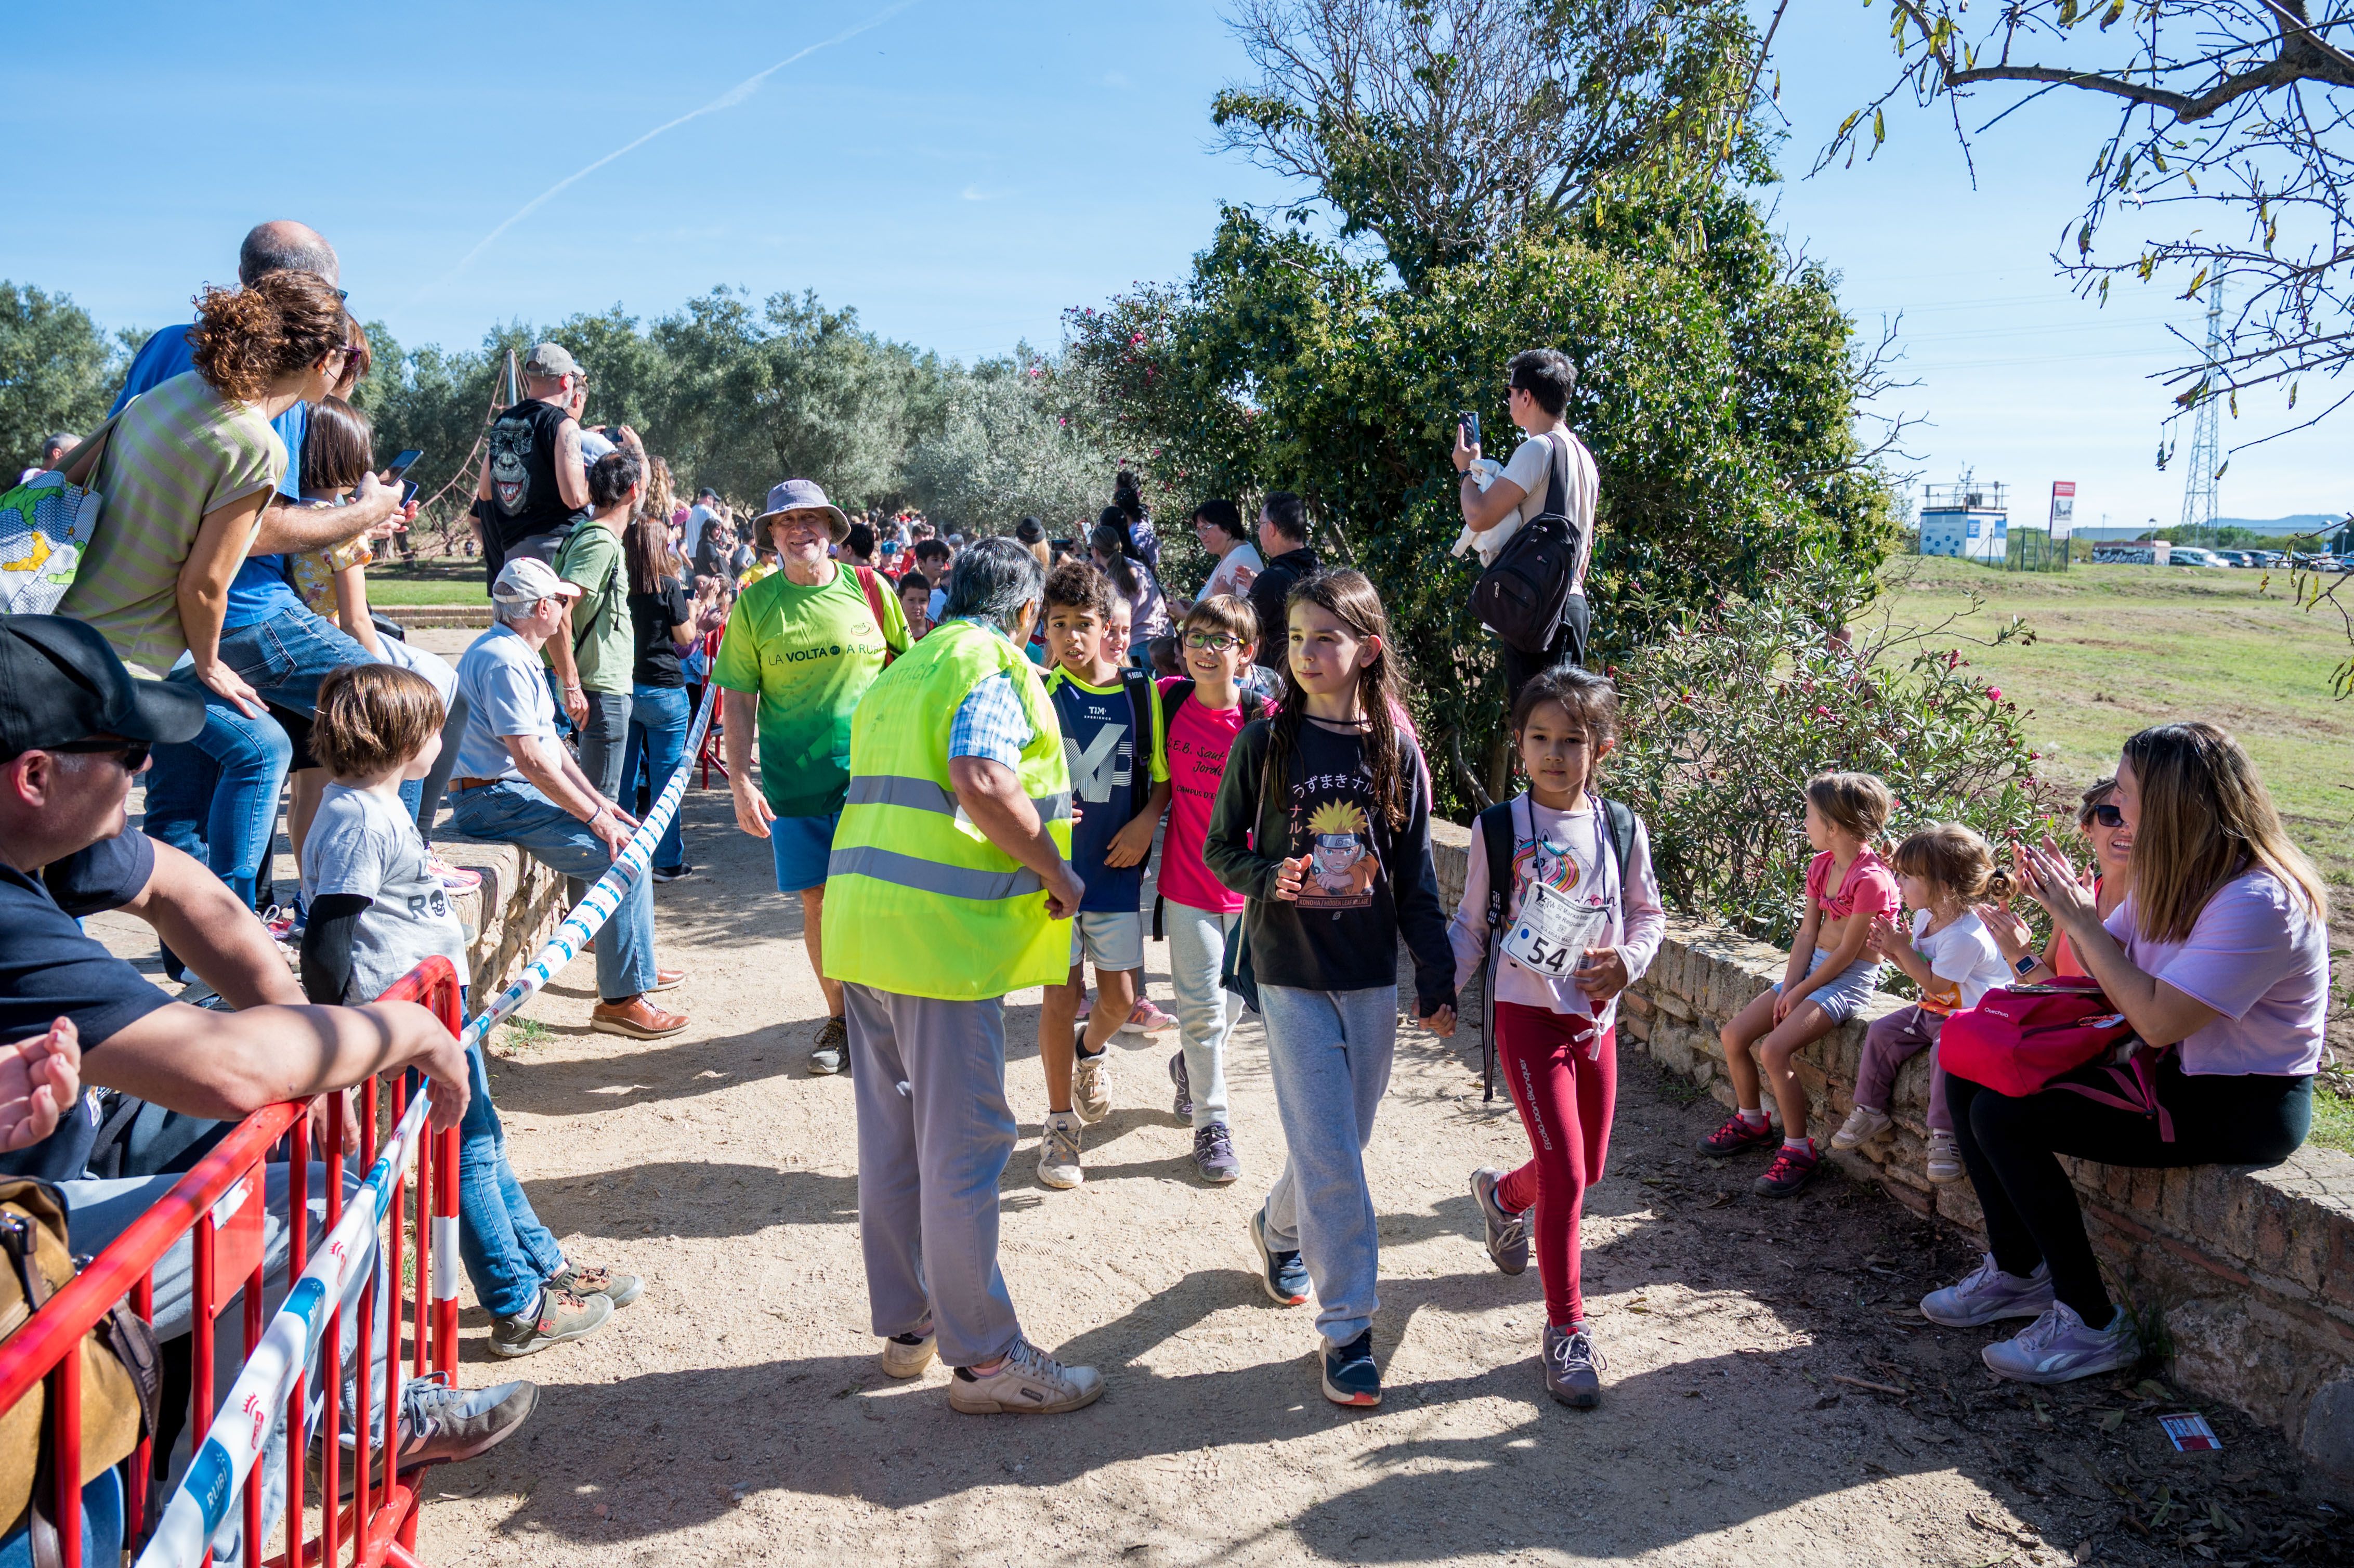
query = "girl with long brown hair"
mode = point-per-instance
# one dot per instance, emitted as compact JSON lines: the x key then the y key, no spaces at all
{"x":2219,"y":959}
{"x":1322,"y":823}
{"x":665,"y":621}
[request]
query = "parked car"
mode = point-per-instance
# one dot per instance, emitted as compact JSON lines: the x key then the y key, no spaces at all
{"x":2196,"y":556}
{"x":2235,"y":557}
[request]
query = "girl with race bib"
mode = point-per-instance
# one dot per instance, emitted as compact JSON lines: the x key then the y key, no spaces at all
{"x":1580,"y":922}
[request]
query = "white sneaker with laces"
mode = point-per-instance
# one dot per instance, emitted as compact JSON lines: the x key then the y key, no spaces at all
{"x":1058,"y":1151}
{"x":1091,"y":1086}
{"x":1029,"y":1381}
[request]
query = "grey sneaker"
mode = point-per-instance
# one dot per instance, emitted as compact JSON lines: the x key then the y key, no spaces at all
{"x":1058,"y":1151}
{"x":1091,"y":1086}
{"x":560,"y":1317}
{"x":585,"y":1280}
{"x":907,"y":1355}
{"x":1029,"y":1381}
{"x":1990,"y":1295}
{"x":1185,"y":1106}
{"x":1945,"y":1156}
{"x":440,"y":1425}
{"x":1508,"y":1233}
{"x":1862,"y":1125}
{"x":2059,"y":1347}
{"x":1573,"y":1367}
{"x":1214,"y":1154}
{"x":832,"y":1050}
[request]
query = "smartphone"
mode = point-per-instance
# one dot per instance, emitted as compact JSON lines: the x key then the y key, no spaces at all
{"x":407,"y":490}
{"x":1470,"y":423}
{"x":403,"y":463}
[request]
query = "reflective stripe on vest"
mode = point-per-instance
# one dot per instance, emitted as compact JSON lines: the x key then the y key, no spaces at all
{"x":923,"y":795}
{"x":930,"y":876}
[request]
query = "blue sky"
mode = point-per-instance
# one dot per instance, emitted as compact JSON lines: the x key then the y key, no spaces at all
{"x":962,"y":171}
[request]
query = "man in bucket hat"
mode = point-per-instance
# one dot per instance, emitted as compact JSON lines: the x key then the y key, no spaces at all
{"x":802,"y":648}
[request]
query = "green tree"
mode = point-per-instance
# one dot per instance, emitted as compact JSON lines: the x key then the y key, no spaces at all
{"x":1007,"y":447}
{"x":58,"y":371}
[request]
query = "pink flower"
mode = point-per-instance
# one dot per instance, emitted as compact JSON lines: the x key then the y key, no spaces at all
{"x":1822,"y":712}
{"x":1994,"y":693}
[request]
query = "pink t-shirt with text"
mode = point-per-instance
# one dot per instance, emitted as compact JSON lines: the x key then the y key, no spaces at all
{"x":1198,"y":740}
{"x":2257,"y":956}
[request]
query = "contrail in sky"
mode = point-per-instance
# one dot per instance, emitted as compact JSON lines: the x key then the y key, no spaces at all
{"x":727,"y":99}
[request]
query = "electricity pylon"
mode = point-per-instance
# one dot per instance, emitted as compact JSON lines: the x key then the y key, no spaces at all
{"x":2198,"y":498}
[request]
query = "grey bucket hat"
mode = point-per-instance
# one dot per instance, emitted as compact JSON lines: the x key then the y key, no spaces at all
{"x":804,"y":495}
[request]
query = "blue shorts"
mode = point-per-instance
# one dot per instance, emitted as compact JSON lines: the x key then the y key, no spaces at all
{"x":1844,"y":994}
{"x":803,"y":844}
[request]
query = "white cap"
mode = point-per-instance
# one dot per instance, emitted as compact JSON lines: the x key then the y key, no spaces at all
{"x":528,"y":579}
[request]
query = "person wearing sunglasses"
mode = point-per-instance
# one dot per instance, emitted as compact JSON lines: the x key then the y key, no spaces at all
{"x":2102,"y":822}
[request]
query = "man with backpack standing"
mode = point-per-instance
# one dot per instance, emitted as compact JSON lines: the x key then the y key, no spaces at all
{"x":1547,"y":492}
{"x":801,"y":647}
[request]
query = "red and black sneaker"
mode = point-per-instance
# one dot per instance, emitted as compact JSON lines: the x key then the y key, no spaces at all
{"x":1735,"y":1135}
{"x":1791,"y":1171}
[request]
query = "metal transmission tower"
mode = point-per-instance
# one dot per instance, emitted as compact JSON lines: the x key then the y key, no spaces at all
{"x":2199,"y":499}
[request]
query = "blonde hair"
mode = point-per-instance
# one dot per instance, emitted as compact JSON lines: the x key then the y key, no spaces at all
{"x":1858,"y":803}
{"x":2204,"y":818}
{"x":1953,"y":860}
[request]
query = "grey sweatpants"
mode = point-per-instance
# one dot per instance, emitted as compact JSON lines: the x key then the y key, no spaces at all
{"x":929,"y":1157}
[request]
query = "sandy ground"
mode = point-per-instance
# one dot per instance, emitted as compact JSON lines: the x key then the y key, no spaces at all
{"x":736,"y":1414}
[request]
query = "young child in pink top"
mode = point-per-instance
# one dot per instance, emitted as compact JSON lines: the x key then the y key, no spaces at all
{"x":1832,"y":972}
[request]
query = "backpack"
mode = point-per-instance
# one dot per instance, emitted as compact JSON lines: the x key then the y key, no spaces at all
{"x":1524,"y":595}
{"x":46,"y":523}
{"x":1497,"y":836}
{"x":121,"y":1367}
{"x":1253,"y":709}
{"x":2018,"y":1038}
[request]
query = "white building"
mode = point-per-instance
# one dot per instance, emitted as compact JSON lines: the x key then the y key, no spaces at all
{"x":1967,"y":519}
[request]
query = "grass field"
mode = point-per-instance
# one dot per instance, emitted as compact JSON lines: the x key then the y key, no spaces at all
{"x":427,"y":581}
{"x":2116,"y":649}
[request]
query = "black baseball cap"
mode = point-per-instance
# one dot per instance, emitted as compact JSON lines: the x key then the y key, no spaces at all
{"x":60,"y":683}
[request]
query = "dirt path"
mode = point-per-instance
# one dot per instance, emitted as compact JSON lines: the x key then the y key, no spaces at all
{"x":736,"y":1414}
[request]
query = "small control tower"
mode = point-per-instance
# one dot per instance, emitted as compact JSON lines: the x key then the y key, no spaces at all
{"x":1967,"y":518}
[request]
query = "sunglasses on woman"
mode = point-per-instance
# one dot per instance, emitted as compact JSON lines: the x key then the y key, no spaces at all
{"x":2108,"y":816}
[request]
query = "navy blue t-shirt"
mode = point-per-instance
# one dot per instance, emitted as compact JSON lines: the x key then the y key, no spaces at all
{"x":1099,"y":743}
{"x":48,"y":967}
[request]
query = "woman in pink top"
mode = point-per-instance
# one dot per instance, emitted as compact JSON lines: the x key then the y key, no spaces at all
{"x":2220,"y":959}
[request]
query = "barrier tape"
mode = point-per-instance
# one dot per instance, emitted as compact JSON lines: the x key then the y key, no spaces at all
{"x":225,"y":1459}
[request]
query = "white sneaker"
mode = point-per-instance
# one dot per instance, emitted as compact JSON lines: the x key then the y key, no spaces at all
{"x":1091,"y":1086}
{"x":907,"y":1355}
{"x":1862,"y":1125}
{"x":1945,"y":1156}
{"x":1058,"y":1151}
{"x":1029,"y":1381}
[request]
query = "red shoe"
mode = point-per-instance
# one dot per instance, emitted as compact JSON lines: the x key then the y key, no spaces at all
{"x":1792,"y":1169}
{"x":1735,"y":1135}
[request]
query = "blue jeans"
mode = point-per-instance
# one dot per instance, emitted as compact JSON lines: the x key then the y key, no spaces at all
{"x":508,"y":1254}
{"x":1329,"y":1052}
{"x":285,"y":657}
{"x":102,"y":1526}
{"x":516,"y":813}
{"x":658,"y":721}
{"x":217,"y":796}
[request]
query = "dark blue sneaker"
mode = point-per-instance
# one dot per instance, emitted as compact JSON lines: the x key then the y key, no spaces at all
{"x":1349,"y":1375}
{"x":1281,"y":1274}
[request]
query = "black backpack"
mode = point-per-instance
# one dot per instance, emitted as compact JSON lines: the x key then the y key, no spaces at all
{"x":1496,"y":834}
{"x":1524,"y":595}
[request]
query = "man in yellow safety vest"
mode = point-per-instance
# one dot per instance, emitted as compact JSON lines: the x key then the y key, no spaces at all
{"x":949,"y":885}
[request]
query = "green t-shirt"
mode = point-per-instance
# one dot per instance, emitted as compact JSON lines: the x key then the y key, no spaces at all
{"x":603,"y":644}
{"x":811,"y":653}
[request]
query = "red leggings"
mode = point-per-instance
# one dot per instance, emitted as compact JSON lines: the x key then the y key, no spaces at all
{"x":1565,"y":1099}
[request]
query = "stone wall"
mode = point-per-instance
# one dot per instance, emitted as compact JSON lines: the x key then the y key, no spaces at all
{"x":2252,"y":1270}
{"x":517,"y":907}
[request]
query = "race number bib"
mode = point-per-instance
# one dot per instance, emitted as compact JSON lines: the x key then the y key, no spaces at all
{"x":1553,"y":932}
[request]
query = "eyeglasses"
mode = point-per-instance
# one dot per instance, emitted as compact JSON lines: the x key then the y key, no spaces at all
{"x":133,"y":753}
{"x":1212,"y":641}
{"x":2108,"y":816}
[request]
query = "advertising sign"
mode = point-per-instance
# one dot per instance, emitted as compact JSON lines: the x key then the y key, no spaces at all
{"x":2063,"y":508}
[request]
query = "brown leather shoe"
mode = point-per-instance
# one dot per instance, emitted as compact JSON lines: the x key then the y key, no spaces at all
{"x":638,"y":1018}
{"x":667,"y":980}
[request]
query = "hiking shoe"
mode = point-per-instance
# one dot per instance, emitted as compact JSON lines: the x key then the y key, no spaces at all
{"x":907,"y":1355}
{"x":1146,"y":1019}
{"x":674,"y":873}
{"x":1214,"y":1154}
{"x":2059,"y":1347}
{"x":1862,"y":1125}
{"x":561,"y":1317}
{"x":1185,"y":1106}
{"x":1508,"y":1233}
{"x":1988,"y":1295}
{"x":1945,"y":1156}
{"x":1789,"y":1173}
{"x":1349,"y":1375}
{"x":831,"y":1049}
{"x":1028,"y":1381}
{"x":638,"y":1018}
{"x":1058,"y":1151}
{"x":585,"y":1280}
{"x":1091,"y":1086}
{"x":1735,"y":1135}
{"x":1573,"y":1367}
{"x":1281,"y":1274}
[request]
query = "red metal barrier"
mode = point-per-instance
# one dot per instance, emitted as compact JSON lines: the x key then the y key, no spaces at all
{"x":218,"y":1205}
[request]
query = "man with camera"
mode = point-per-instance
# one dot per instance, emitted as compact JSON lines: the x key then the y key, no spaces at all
{"x":1552,"y":476}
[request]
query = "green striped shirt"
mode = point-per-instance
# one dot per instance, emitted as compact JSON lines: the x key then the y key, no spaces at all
{"x":178,"y":452}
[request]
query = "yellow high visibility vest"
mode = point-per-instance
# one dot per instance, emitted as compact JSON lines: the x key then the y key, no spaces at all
{"x":917,"y":900}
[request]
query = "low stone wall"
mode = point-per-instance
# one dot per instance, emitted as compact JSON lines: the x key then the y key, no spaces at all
{"x":516,"y":908}
{"x":414,"y":617}
{"x":2252,"y":1270}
